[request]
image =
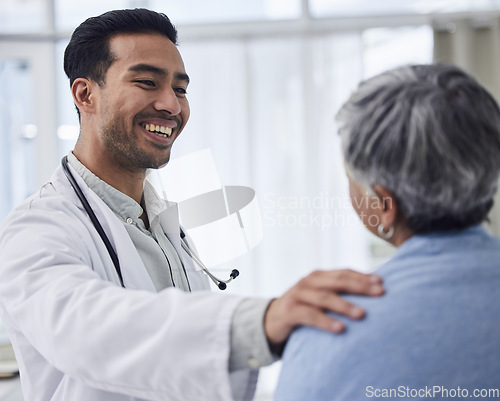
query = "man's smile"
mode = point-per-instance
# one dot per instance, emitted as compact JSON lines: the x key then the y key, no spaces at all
{"x":160,"y":130}
{"x":161,"y":127}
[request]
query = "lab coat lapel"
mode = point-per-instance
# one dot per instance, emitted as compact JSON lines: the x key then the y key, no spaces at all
{"x":133,"y":270}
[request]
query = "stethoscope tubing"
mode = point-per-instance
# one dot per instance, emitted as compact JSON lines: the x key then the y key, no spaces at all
{"x":93,"y":218}
{"x":222,"y":284}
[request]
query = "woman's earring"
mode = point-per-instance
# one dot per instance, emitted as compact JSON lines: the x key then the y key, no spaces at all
{"x":383,"y":234}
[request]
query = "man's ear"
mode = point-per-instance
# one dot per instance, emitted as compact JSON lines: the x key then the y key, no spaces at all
{"x":83,"y":95}
{"x":388,"y":206}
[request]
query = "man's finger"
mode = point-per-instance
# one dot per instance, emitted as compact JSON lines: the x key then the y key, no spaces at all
{"x":344,"y":281}
{"x":329,"y":301}
{"x":315,"y":318}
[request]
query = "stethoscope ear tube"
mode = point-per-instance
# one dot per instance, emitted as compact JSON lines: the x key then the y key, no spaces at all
{"x":221,"y":284}
{"x":93,"y":218}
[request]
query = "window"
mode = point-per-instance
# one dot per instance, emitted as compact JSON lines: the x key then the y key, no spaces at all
{"x":23,"y":16}
{"x":18,"y":129}
{"x":70,"y":14}
{"x":341,"y":8}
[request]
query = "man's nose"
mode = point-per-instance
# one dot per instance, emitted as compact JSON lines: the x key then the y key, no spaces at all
{"x":168,"y":101}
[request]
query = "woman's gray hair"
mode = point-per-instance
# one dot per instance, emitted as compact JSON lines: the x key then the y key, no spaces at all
{"x":430,"y":134}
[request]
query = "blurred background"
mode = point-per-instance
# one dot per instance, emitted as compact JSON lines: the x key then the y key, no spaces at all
{"x":267,"y":77}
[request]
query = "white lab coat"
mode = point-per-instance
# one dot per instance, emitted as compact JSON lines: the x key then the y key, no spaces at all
{"x":79,"y":336}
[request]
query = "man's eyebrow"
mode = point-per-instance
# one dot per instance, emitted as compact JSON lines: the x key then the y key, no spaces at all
{"x":180,"y":76}
{"x":148,"y":68}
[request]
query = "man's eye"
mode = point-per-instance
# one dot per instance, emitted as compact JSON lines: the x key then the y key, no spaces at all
{"x":181,"y":91}
{"x":146,"y":82}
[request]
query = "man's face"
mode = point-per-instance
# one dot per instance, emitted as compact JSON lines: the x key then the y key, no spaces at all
{"x":143,"y":106}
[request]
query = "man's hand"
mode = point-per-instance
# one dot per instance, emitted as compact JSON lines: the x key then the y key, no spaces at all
{"x":307,"y":301}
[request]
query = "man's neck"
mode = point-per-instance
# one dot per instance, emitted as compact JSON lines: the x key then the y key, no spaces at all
{"x":131,"y":183}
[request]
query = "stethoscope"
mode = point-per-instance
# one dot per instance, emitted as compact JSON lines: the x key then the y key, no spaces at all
{"x":222,"y":284}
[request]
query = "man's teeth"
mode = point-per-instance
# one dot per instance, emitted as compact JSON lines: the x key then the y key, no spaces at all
{"x":159,"y":130}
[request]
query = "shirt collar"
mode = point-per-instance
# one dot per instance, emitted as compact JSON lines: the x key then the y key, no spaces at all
{"x":121,"y":204}
{"x":155,"y":205}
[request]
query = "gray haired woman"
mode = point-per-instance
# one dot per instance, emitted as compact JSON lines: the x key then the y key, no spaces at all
{"x":422,"y":153}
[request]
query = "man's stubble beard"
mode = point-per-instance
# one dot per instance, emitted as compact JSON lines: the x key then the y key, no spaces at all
{"x":122,"y":146}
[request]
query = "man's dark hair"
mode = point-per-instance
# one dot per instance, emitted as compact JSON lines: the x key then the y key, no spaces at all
{"x":88,"y":53}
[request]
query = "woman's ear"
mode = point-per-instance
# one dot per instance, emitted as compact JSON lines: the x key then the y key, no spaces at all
{"x":388,"y":206}
{"x":83,"y":95}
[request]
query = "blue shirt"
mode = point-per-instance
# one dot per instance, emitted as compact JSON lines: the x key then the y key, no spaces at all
{"x":435,"y":334}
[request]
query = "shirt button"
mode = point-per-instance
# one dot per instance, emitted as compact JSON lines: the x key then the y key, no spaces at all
{"x":130,"y":220}
{"x":253,"y":363}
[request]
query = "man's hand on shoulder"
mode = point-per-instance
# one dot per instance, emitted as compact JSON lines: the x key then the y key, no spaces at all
{"x":307,"y":301}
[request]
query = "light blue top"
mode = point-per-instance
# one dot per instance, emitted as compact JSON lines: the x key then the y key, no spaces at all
{"x":438,"y":325}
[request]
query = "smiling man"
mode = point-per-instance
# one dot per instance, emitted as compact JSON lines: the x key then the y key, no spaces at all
{"x":131,"y":119}
{"x":115,"y":310}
